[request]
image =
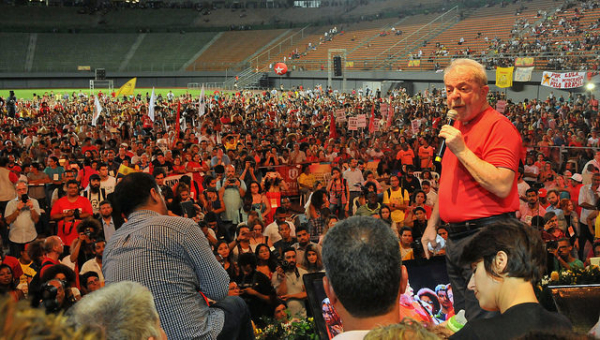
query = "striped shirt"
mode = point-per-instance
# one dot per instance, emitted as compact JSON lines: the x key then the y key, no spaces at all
{"x":171,"y":256}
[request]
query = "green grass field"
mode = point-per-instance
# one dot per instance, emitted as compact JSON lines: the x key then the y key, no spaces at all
{"x":28,"y":93}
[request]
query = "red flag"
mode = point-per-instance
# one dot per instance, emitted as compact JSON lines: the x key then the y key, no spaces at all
{"x":372,"y":122}
{"x":177,"y":128}
{"x":332,"y":130}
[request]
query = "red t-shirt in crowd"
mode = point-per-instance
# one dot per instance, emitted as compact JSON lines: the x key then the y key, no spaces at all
{"x":68,"y":231}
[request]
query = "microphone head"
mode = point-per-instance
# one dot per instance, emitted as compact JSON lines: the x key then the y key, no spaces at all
{"x":452,"y":114}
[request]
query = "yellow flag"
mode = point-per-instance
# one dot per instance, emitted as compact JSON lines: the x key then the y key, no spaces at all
{"x":125,"y":170}
{"x":127,"y":89}
{"x":414,"y":63}
{"x":504,"y":76}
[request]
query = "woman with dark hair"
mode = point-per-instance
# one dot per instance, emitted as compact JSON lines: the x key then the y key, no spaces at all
{"x":62,"y":278}
{"x":82,"y":248}
{"x":426,"y":176}
{"x":316,"y":220}
{"x":223,"y":255}
{"x":339,"y":193}
{"x":198,"y":168}
{"x":183,"y":204}
{"x":8,"y":284}
{"x":178,"y":167}
{"x":273,"y":185}
{"x":385,"y":214}
{"x":259,"y":201}
{"x":313,"y":262}
{"x":266,"y":262}
{"x":508,"y":258}
{"x":241,"y":245}
{"x":257,"y":237}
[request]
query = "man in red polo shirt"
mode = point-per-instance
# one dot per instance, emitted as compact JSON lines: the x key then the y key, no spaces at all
{"x":478,"y":185}
{"x":68,"y":211}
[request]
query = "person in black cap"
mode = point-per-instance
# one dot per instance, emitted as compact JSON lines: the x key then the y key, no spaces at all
{"x":94,"y":193}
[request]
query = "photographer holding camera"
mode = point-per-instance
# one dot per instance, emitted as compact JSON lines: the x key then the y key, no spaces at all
{"x":232,"y":190}
{"x":82,"y":248}
{"x":249,"y":173}
{"x":289,"y":285}
{"x":22,"y":213}
{"x":69,"y":211}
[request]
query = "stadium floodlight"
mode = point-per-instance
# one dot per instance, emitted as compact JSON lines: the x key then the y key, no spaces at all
{"x":590,"y":86}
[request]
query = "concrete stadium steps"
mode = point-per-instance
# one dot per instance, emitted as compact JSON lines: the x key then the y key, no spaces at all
{"x":382,"y":43}
{"x":63,"y":52}
{"x":348,"y":37}
{"x":13,"y":54}
{"x":167,"y":51}
{"x":234,"y":47}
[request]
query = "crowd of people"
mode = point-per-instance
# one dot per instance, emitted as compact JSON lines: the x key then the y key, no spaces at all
{"x":219,"y":162}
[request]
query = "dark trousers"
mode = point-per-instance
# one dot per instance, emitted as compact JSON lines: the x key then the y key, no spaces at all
{"x":353,"y":195}
{"x":460,"y":275}
{"x":584,"y":235}
{"x":237,"y":323}
{"x":3,"y":225}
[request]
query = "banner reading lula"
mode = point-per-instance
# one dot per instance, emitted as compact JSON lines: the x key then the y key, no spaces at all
{"x":567,"y":80}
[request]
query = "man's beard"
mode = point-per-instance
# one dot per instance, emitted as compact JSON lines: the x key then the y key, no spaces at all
{"x":95,"y":189}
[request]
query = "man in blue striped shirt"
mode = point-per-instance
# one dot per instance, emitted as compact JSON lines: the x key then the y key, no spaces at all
{"x":171,"y":256}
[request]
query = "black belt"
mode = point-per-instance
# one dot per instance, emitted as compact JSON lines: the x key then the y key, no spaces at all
{"x":455,"y":229}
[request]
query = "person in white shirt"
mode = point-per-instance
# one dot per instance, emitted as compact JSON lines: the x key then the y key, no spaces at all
{"x":95,"y":264}
{"x":107,"y":182}
{"x":272,"y":230}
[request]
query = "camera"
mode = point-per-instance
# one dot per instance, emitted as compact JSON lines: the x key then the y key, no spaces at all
{"x":76,"y":214}
{"x":552,"y":245}
{"x":417,"y":247}
{"x":25,"y":198}
{"x":285,"y":265}
{"x":49,"y":295}
{"x":245,"y":285}
{"x":231,"y":180}
{"x":89,"y":232}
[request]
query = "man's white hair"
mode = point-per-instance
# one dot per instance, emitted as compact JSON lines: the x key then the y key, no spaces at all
{"x":477,"y":70}
{"x":123,"y":310}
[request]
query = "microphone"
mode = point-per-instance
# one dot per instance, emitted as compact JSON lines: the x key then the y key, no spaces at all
{"x":451,"y":115}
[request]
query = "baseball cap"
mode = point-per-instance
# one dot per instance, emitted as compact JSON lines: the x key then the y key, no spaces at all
{"x":577,"y":178}
{"x":542,"y":192}
{"x":94,"y":176}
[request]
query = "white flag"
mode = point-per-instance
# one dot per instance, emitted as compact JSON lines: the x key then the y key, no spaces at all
{"x":182,"y":124}
{"x":151,"y":106}
{"x":201,"y":103}
{"x":97,"y":111}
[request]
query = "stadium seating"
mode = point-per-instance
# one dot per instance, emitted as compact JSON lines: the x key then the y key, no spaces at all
{"x":167,"y":51}
{"x":234,"y":47}
{"x":13,"y":59}
{"x":152,"y":39}
{"x":64,"y":52}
